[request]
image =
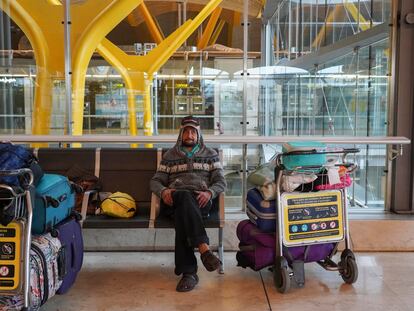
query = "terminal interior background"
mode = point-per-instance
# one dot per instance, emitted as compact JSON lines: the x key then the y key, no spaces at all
{"x":284,"y":91}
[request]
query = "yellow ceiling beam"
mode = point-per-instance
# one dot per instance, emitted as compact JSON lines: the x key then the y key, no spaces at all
{"x":234,"y":22}
{"x":54,"y":2}
{"x":326,"y":27}
{"x":205,"y":37}
{"x":217,"y":32}
{"x":357,"y":16}
{"x":151,"y":23}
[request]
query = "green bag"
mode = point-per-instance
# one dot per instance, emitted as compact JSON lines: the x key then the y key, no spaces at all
{"x":262,"y":175}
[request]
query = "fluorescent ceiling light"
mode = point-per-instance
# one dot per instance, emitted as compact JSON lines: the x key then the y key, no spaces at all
{"x":322,"y":2}
{"x":332,"y":70}
{"x":60,"y":2}
{"x":217,"y":73}
{"x":274,"y":70}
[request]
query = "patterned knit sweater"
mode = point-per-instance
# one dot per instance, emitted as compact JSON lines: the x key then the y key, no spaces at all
{"x":202,"y":171}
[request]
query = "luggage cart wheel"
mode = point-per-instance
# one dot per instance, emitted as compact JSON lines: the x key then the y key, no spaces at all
{"x":281,"y":276}
{"x":347,"y":253}
{"x":348,"y":270}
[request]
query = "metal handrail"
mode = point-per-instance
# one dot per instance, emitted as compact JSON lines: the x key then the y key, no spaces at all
{"x":223,"y":139}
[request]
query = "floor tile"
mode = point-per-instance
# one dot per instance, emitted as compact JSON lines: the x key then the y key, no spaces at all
{"x":146,"y":281}
{"x":324,"y":290}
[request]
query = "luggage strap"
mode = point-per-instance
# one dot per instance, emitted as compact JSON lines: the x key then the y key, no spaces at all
{"x":113,"y":199}
{"x":247,"y":248}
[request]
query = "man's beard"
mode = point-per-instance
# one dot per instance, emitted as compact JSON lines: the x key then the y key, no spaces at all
{"x":189,"y":143}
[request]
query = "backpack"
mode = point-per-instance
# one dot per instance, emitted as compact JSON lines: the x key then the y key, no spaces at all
{"x":12,"y":202}
{"x":119,"y":205}
{"x":85,"y":181}
{"x":13,"y":157}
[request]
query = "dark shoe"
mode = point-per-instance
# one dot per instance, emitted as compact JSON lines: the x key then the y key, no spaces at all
{"x":187,"y":282}
{"x":210,"y":261}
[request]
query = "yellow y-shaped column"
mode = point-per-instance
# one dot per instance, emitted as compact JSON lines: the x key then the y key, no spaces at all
{"x":96,"y":30}
{"x":91,"y":22}
{"x":45,"y":62}
{"x":137,"y":71}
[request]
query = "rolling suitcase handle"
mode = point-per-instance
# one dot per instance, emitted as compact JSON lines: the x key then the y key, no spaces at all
{"x":62,"y":263}
{"x":49,"y":201}
{"x":54,"y":202}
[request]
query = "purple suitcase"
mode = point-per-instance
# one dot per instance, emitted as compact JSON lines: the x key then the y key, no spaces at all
{"x":249,"y":234}
{"x":257,"y":248}
{"x":69,"y":233}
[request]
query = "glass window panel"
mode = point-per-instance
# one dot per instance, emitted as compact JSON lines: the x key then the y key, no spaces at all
{"x":343,"y":96}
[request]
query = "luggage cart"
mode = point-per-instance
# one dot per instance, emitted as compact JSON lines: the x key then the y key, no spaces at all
{"x":15,"y":238}
{"x":311,"y":220}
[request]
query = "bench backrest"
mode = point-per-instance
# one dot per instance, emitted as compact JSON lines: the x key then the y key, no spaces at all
{"x":60,"y":160}
{"x":128,"y":170}
{"x":119,"y":169}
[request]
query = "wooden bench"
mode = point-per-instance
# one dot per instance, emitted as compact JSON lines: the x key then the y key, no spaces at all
{"x":126,"y":170}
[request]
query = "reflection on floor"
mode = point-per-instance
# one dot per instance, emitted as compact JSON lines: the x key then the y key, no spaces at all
{"x":145,"y":281}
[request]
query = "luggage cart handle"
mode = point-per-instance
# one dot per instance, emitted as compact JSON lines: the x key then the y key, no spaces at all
{"x":344,"y":151}
{"x":20,"y":172}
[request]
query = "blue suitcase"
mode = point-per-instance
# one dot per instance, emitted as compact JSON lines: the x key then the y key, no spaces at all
{"x":54,"y":201}
{"x":69,"y":232}
{"x":293,"y":161}
{"x":262,"y":213}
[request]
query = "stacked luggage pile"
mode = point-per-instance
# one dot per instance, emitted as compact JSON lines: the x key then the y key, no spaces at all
{"x":297,"y":214}
{"x":41,"y":244}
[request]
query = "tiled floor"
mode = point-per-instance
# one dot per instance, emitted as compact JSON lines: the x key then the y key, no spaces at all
{"x":145,"y":281}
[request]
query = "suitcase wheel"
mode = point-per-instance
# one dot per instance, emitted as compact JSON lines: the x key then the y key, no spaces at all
{"x":54,"y":233}
{"x":76,"y":215}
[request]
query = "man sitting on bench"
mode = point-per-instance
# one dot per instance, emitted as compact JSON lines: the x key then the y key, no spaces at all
{"x":188,"y":178}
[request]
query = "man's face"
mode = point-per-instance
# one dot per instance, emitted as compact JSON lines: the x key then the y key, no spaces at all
{"x":189,"y":137}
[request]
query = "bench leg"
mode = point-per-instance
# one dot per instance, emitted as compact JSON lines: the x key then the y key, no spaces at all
{"x":221,"y":251}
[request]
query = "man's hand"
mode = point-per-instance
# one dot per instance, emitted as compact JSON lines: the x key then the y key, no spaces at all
{"x":166,"y":196}
{"x":203,"y":197}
